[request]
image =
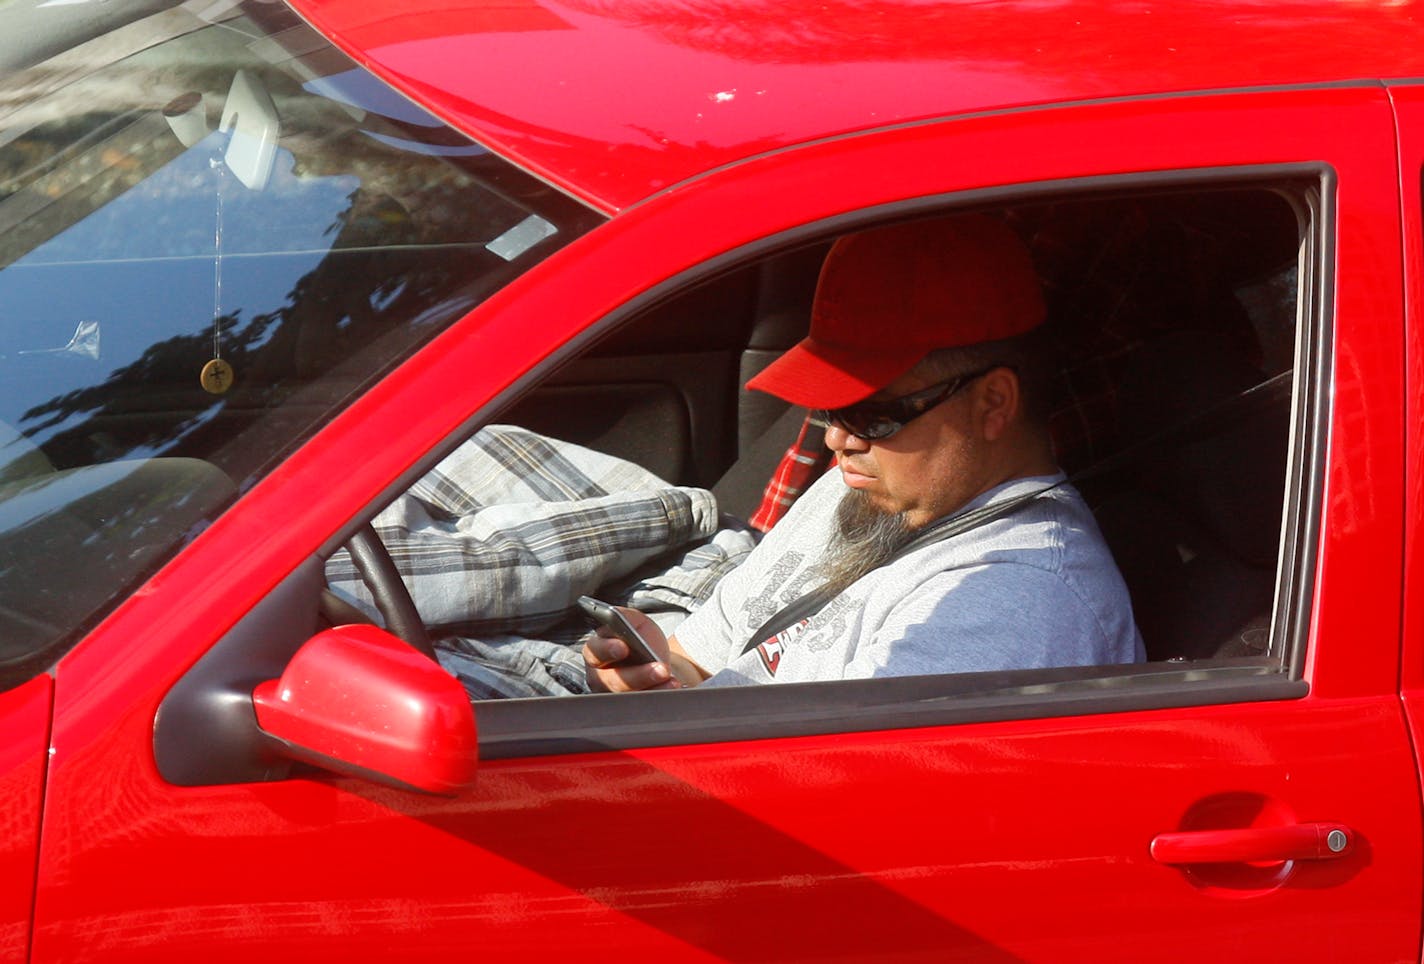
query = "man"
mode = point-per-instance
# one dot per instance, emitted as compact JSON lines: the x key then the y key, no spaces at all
{"x":923,"y":356}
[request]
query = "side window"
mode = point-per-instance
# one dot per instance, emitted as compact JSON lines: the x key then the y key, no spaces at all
{"x":1178,"y":326}
{"x":1183,"y":332}
{"x":212,"y":236}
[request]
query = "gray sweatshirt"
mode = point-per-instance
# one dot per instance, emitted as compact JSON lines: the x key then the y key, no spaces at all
{"x":1035,"y":588}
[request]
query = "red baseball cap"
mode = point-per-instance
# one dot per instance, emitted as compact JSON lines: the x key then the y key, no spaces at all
{"x":889,"y":296}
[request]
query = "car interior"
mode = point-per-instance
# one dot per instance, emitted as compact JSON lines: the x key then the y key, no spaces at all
{"x":1175,"y":315}
{"x":152,"y":243}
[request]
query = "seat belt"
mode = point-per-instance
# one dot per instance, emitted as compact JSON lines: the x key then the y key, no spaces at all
{"x":813,"y":601}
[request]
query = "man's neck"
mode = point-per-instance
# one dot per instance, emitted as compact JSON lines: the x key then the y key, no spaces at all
{"x":1027,"y":458}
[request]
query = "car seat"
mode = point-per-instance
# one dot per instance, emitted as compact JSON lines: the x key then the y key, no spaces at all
{"x":1194,"y":521}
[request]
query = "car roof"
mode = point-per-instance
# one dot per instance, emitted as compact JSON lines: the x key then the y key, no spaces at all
{"x":616,"y":100}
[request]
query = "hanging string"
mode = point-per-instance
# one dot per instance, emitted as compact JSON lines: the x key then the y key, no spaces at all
{"x":218,"y":262}
{"x":217,"y":375}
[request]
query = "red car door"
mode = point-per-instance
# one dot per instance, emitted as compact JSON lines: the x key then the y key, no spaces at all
{"x":24,"y":717}
{"x":1409,"y":110}
{"x":1174,"y":812}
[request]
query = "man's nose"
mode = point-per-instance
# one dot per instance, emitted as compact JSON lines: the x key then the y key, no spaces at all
{"x":839,"y":440}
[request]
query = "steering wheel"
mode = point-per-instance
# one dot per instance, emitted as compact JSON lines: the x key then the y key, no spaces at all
{"x":373,"y":561}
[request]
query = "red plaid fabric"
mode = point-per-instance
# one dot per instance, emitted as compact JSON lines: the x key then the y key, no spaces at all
{"x":803,"y":463}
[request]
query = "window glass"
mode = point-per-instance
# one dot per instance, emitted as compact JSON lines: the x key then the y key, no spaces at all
{"x":1178,"y":321}
{"x":1173,"y":324}
{"x":215,"y":229}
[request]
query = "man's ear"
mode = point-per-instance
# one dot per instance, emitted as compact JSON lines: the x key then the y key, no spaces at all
{"x":998,"y":400}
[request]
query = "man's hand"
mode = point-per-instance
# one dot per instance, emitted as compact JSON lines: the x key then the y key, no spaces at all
{"x":602,"y":649}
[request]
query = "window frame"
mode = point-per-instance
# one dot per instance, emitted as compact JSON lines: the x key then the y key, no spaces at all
{"x":548,"y":726}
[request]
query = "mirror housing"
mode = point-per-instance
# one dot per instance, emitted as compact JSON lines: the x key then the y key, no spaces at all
{"x":250,"y":120}
{"x":356,"y":700}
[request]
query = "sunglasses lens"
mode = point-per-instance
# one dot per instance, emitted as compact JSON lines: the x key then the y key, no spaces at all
{"x":872,"y":420}
{"x":873,"y":426}
{"x":861,"y":424}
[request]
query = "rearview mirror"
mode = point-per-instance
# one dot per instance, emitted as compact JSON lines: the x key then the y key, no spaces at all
{"x":250,"y":120}
{"x":357,"y":700}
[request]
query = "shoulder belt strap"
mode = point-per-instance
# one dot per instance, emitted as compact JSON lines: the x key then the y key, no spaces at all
{"x":813,"y":601}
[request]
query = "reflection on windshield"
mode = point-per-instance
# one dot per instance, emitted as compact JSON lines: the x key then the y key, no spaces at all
{"x":211,"y":238}
{"x":164,"y":235}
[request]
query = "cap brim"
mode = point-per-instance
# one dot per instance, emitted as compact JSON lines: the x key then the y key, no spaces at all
{"x":817,"y":376}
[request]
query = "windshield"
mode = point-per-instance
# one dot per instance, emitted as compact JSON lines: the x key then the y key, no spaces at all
{"x":215,"y":230}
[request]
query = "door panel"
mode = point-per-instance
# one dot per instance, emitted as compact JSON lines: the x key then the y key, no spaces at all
{"x":24,"y":719}
{"x":1409,"y":114}
{"x":1010,"y":840}
{"x":878,"y":846}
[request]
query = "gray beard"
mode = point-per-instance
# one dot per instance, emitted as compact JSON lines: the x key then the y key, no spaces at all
{"x":865,"y":538}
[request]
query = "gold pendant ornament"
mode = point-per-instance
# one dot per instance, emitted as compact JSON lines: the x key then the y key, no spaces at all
{"x":217,"y":376}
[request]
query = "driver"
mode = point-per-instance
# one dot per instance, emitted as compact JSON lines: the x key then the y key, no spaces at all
{"x":925,"y":358}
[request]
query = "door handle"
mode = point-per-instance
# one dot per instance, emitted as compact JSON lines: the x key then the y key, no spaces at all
{"x":1302,"y":841}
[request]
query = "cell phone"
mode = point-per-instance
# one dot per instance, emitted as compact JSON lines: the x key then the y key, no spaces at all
{"x":604,"y":615}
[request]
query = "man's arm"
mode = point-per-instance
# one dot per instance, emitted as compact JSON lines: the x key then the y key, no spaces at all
{"x":675,"y":669}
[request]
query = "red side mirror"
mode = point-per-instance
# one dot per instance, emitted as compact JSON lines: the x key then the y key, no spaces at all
{"x":359,"y":701}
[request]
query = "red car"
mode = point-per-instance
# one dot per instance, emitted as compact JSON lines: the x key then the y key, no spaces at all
{"x":261,"y":268}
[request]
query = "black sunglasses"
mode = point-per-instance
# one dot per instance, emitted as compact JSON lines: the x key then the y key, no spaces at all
{"x":874,"y":420}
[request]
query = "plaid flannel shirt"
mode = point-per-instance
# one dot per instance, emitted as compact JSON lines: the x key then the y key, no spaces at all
{"x":498,"y":540}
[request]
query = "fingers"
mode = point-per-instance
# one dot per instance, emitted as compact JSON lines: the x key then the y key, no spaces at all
{"x":644,"y":624}
{"x":627,"y":679}
{"x":600,"y":650}
{"x":604,"y":652}
{"x":600,"y":653}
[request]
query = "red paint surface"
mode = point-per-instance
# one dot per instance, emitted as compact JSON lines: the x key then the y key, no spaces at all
{"x":897,"y":845}
{"x":1409,"y":107}
{"x":24,"y":721}
{"x":358,"y":698}
{"x":617,"y":99}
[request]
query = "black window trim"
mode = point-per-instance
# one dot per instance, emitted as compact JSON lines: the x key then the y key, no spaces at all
{"x":547,"y":726}
{"x":1311,"y":403}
